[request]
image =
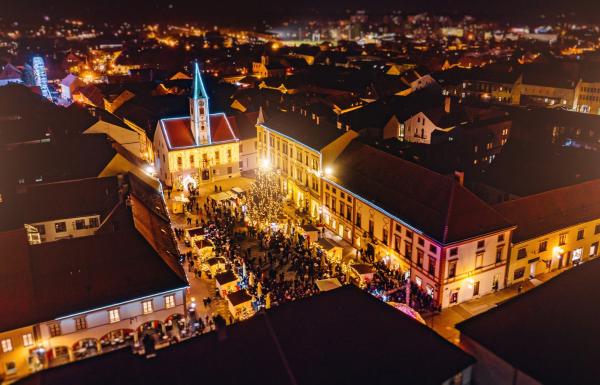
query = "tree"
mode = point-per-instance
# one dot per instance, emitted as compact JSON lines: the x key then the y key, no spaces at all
{"x":265,"y":200}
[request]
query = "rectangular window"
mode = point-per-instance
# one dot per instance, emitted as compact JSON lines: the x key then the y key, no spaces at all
{"x":349,"y":213}
{"x":60,"y":227}
{"x":432,"y":249}
{"x":169,"y":301}
{"x":409,"y":234}
{"x":454,"y":251}
{"x":114,"y":316}
{"x":408,"y":249}
{"x":27,"y":339}
{"x":420,"y":257}
{"x":6,"y":345}
{"x":397,"y":243}
{"x":562,"y":239}
{"x":521,"y":253}
{"x":147,"y":307}
{"x":431,"y":266}
{"x":580,"y":234}
{"x":179,"y":161}
{"x":229,"y":170}
{"x":452,"y":268}
{"x":479,"y":260}
{"x":500,"y":238}
{"x":384,"y":237}
{"x":543,"y":246}
{"x":519,"y":273}
{"x":476,"y":288}
{"x":54,"y":329}
{"x":94,"y":222}
{"x":371,"y":227}
{"x":80,"y":224}
{"x":80,"y":323}
{"x":596,"y":230}
{"x":421,"y":242}
{"x":480,"y":244}
{"x":41,"y":229}
{"x":358,"y":220}
{"x":499,"y":254}
{"x":333,"y":204}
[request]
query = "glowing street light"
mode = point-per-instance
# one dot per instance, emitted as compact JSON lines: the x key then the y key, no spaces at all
{"x":265,"y":164}
{"x":328,"y":171}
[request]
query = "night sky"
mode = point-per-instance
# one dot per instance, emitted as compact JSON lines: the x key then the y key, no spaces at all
{"x":251,"y":12}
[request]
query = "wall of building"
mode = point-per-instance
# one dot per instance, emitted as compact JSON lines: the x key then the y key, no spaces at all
{"x":536,"y":260}
{"x":248,"y":154}
{"x":14,"y":363}
{"x":98,"y":321}
{"x":486,"y":265}
{"x":51,"y":231}
{"x":587,"y":97}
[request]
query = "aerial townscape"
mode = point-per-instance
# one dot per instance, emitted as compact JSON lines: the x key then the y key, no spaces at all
{"x":264,"y":193}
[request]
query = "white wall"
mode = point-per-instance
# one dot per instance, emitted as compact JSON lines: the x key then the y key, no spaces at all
{"x":71,"y":231}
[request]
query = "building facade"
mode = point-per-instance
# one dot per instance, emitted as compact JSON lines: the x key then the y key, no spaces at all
{"x":195,"y":149}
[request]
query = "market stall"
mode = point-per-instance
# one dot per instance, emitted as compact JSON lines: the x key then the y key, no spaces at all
{"x":331,"y":251}
{"x":178,"y":204}
{"x":361,"y":273}
{"x":328,"y":284}
{"x":226,"y":282}
{"x":310,"y":233}
{"x":214,"y":265}
{"x":240,"y":304}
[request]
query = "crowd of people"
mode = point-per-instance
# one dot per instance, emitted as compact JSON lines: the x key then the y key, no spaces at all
{"x":278,"y":266}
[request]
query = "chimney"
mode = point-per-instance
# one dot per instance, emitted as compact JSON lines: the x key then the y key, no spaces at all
{"x":447,"y":104}
{"x":460,"y":177}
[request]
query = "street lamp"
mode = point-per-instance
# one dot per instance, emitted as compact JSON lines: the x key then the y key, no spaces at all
{"x":328,"y":171}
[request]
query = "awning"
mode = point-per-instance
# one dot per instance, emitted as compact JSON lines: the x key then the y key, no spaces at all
{"x":328,"y":284}
{"x":221,"y":196}
{"x":326,"y":244}
{"x":237,"y":190}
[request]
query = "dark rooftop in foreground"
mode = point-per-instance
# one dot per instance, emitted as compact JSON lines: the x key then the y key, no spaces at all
{"x":550,"y":332}
{"x":303,"y":129}
{"x":343,"y":336}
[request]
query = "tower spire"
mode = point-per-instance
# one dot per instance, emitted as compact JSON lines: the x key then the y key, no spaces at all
{"x":199,"y":115}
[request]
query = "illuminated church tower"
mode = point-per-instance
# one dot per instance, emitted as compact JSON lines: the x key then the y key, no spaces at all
{"x":199,"y":114}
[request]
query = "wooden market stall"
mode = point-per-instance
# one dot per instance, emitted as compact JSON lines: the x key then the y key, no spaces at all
{"x":240,"y":304}
{"x":331,"y":251}
{"x":361,"y":273}
{"x":226,"y":282}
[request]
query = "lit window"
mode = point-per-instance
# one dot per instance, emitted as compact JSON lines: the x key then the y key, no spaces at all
{"x":27,"y":339}
{"x":114,"y":316}
{"x":80,"y":323}
{"x":54,"y":329}
{"x":60,"y":227}
{"x":169,"y":301}
{"x":147,"y":307}
{"x":6,"y":345}
{"x":562,"y":239}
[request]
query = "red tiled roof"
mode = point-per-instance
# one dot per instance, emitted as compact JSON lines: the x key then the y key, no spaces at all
{"x":220,"y":130}
{"x":552,"y":210}
{"x":435,"y":204}
{"x":179,"y":133}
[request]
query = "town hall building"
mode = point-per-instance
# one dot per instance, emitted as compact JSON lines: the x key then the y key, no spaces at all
{"x":196,"y":149}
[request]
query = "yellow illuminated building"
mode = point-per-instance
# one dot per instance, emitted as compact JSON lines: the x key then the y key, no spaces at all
{"x":556,"y":230}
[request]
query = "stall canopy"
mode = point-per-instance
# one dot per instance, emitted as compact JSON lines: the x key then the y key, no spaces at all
{"x":326,"y":244}
{"x":310,"y":231}
{"x":221,"y":196}
{"x":328,"y":284}
{"x":238,"y":191}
